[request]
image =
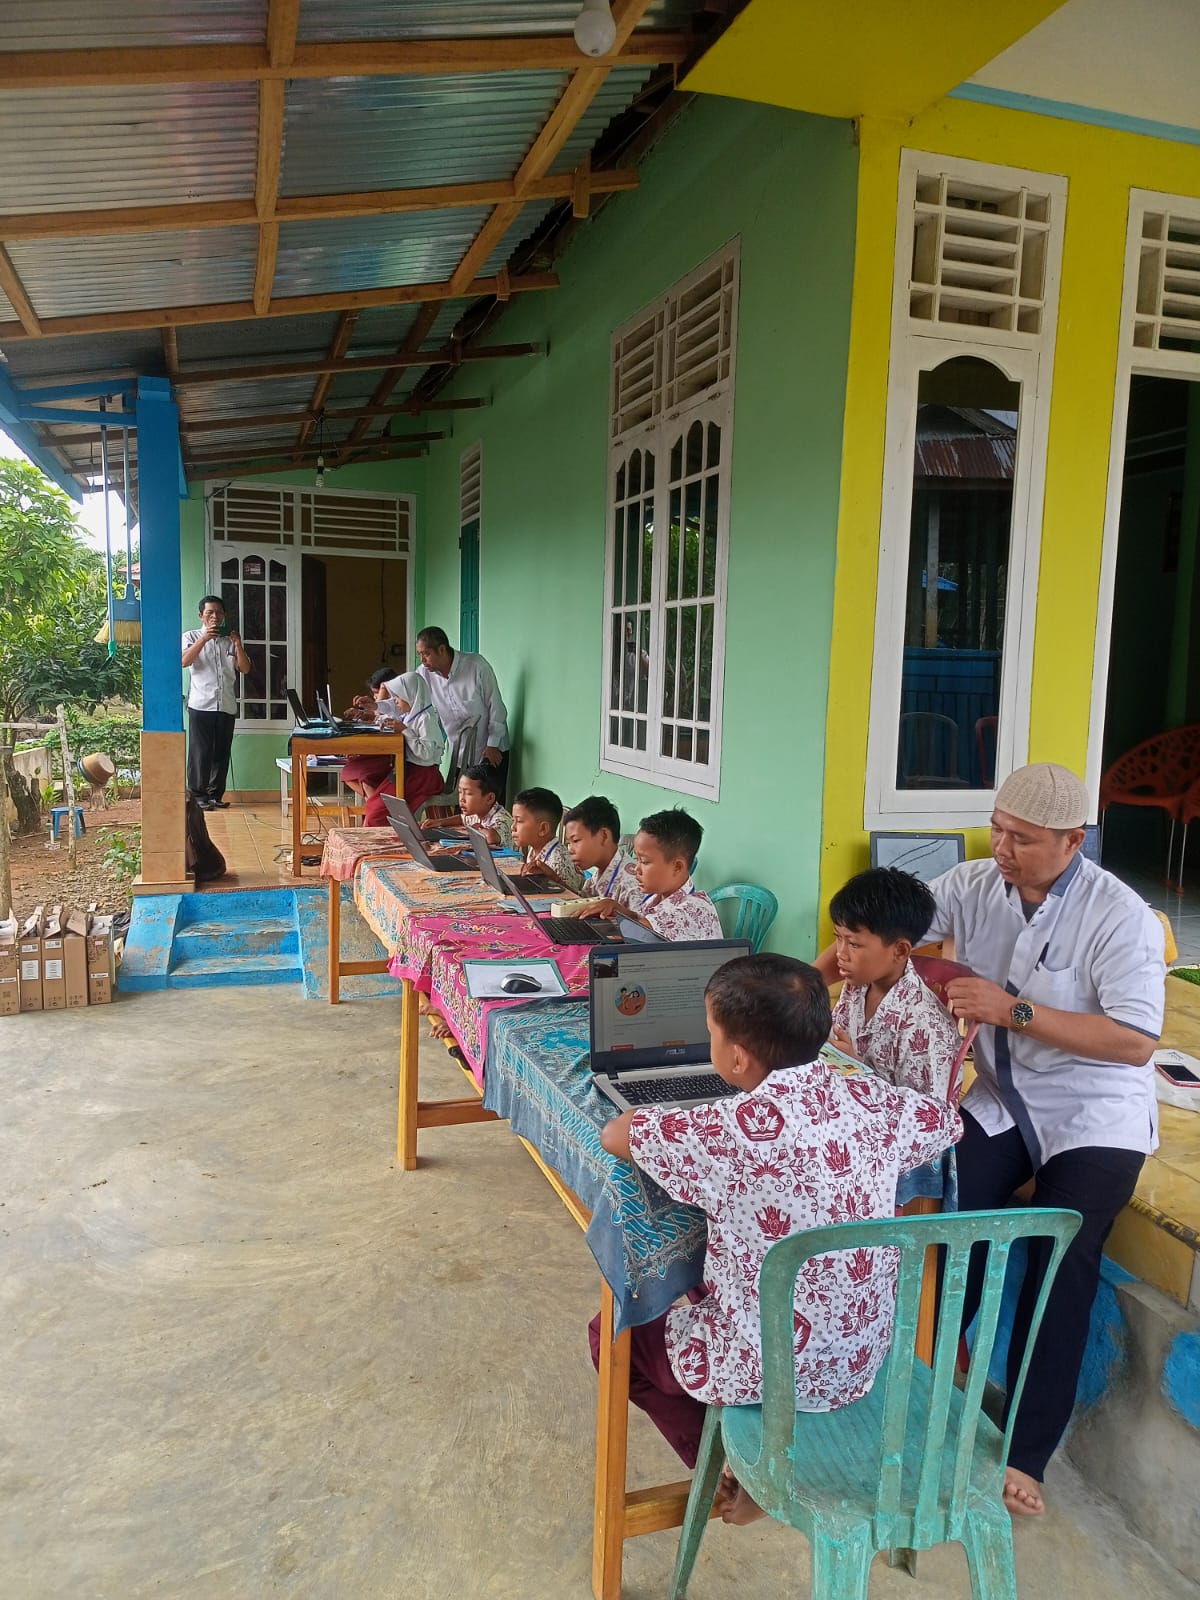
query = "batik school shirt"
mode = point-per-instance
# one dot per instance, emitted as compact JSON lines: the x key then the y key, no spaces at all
{"x":807,"y":1147}
{"x":686,"y":914}
{"x":617,"y":881}
{"x":556,"y":856}
{"x":912,"y":1040}
{"x":497,"y":818}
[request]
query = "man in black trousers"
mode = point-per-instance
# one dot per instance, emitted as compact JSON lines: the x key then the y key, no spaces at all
{"x":214,"y":656}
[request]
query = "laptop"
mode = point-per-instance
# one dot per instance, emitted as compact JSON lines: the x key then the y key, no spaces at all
{"x":526,"y":882}
{"x":410,"y":838}
{"x":570,"y":930}
{"x":649,"y":1033}
{"x":401,"y":808}
{"x":303,"y":720}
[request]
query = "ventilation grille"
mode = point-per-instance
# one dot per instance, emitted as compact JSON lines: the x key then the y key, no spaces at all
{"x":313,"y":520}
{"x":979,"y":255}
{"x":1167,"y":313}
{"x":470,"y":475}
{"x":678,"y":352}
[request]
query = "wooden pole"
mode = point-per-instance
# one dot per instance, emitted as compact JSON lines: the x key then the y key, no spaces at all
{"x":68,"y":786}
{"x":6,"y":904}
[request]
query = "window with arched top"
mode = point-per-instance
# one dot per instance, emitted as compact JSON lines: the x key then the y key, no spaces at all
{"x":668,"y":523}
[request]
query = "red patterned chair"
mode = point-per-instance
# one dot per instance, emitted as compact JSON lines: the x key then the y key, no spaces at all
{"x":1159,"y":773}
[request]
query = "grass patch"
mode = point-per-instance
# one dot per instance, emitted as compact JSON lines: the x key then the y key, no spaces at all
{"x":1188,"y":974}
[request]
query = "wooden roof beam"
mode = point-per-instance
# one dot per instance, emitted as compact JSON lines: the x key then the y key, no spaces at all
{"x":338,"y":346}
{"x":417,"y":336}
{"x":99,"y":223}
{"x":296,"y":305}
{"x":10,"y":282}
{"x":283,"y":18}
{"x":233,"y":468}
{"x":367,"y":58}
{"x":450,"y":356}
{"x":286,"y":419}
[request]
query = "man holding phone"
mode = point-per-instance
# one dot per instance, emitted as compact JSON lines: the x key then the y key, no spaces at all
{"x":214,"y":655}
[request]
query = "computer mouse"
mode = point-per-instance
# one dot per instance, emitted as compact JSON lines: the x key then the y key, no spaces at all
{"x":520,"y":983}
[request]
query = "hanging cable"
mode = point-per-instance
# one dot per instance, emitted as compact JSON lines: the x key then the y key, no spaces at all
{"x":108,"y":560}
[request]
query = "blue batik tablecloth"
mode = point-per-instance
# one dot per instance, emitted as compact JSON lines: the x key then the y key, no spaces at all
{"x":648,"y":1246}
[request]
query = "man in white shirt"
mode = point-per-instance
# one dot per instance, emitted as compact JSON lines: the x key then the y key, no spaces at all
{"x":213,"y":656}
{"x":1069,"y":992}
{"x":465,"y":694}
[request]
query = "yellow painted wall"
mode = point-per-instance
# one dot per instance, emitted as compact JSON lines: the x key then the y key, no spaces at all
{"x":1101,"y":166}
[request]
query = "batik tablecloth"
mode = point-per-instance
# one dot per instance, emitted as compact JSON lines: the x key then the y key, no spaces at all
{"x":432,"y":956}
{"x":387,"y":893}
{"x":649,"y":1248}
{"x":346,"y":847}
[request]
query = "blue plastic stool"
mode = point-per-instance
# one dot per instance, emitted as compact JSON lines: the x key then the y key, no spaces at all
{"x":57,"y":813}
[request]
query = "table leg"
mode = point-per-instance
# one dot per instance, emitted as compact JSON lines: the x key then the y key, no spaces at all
{"x":335,"y":941}
{"x":299,"y":808}
{"x":406,"y":1121}
{"x":612,"y":1437}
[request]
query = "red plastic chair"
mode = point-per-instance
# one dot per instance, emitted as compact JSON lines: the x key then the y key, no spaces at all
{"x":935,"y":972}
{"x":1159,"y":773}
{"x":987,"y":760}
{"x":1188,"y":812}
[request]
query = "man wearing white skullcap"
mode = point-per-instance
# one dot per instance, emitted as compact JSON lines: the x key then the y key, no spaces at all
{"x":1069,"y":993}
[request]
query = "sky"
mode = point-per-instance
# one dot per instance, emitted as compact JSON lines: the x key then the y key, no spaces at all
{"x":91,"y":513}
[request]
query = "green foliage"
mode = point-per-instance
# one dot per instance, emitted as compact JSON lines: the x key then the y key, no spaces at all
{"x":112,"y":733}
{"x":122,"y":853}
{"x":1188,"y":974}
{"x":52,"y":603}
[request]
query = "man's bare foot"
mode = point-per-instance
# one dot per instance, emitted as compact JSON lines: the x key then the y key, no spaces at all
{"x":1022,"y":1494}
{"x":439,"y":1028}
{"x":733,"y":1504}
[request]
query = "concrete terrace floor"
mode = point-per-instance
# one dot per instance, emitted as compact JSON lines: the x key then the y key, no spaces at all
{"x":243,"y":1356}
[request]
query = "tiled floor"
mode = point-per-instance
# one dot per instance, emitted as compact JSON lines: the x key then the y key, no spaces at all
{"x":1182,"y":909}
{"x":253,"y":839}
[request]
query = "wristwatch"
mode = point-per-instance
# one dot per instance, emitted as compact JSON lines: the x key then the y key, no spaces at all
{"x":1022,"y":1015}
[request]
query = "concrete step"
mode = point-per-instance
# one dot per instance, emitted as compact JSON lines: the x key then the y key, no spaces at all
{"x":194,"y":971}
{"x":238,"y":936}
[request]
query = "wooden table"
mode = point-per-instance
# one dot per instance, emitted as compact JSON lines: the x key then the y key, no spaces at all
{"x":349,"y":744}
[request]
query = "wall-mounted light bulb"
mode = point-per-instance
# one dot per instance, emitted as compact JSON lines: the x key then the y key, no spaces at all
{"x":595,"y":30}
{"x":319,"y":480}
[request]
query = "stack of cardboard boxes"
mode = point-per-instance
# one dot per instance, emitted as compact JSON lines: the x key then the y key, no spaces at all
{"x":56,"y":960}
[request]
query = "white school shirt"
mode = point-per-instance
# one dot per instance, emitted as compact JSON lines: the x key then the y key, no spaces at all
{"x":470,"y":695}
{"x":212,"y":677}
{"x":1092,"y":947}
{"x":618,"y":882}
{"x":424,"y":740}
{"x":808,"y":1146}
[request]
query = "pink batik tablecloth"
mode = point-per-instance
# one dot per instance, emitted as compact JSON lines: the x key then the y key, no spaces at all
{"x":435,"y":948}
{"x":388,"y":893}
{"x":346,"y":847}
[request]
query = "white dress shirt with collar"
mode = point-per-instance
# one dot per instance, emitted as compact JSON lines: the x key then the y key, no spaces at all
{"x":470,"y":696}
{"x":212,"y":684}
{"x":1093,"y":947}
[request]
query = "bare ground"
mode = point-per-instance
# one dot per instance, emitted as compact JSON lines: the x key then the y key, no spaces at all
{"x":42,"y":873}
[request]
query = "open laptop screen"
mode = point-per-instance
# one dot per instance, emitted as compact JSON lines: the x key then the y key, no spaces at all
{"x":297,"y":706}
{"x":647,"y":1002}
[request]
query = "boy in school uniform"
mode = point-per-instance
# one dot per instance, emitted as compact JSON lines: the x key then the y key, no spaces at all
{"x":799,"y":1146}
{"x":479,"y":806}
{"x":886,"y":1017}
{"x":666,"y":844}
{"x":536,"y":815}
{"x":593,"y":830}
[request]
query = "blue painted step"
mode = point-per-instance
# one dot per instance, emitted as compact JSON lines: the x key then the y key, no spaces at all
{"x":247,"y":937}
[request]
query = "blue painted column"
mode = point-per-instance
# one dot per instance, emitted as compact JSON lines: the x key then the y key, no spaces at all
{"x":164,"y":792}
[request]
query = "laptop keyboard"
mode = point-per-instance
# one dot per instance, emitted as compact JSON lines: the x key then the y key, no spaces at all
{"x":573,"y":930}
{"x":693,"y":1086}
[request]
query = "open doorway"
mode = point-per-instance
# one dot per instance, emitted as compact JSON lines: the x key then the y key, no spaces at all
{"x":354,"y":613}
{"x":1154,"y":660}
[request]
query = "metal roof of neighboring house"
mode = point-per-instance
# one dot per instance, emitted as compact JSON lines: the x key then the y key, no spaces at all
{"x":289,"y":207}
{"x":960,"y":442}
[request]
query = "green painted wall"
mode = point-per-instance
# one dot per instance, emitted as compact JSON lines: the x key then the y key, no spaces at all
{"x":786,"y":183}
{"x":253,"y":763}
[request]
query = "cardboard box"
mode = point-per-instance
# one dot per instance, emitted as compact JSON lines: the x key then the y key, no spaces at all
{"x":54,"y":978}
{"x":100,"y":945}
{"x":29,"y":955}
{"x":10,"y":967}
{"x":75,"y":970}
{"x":100,"y":989}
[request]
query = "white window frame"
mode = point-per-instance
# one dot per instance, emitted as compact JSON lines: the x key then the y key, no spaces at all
{"x":290,"y":552}
{"x":1133,"y":360}
{"x":716,"y":405}
{"x":919,"y":346}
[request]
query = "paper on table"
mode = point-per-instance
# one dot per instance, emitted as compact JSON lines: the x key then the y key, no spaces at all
{"x":485,"y":979}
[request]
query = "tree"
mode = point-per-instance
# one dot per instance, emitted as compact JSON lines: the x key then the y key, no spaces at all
{"x":52,"y":602}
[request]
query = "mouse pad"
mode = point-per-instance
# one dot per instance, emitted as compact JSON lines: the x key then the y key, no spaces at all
{"x":485,"y":979}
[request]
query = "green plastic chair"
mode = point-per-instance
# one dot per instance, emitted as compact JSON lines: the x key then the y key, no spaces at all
{"x":912,"y":1464}
{"x":756,"y":911}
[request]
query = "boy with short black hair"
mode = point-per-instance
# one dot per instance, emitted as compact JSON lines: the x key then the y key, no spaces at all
{"x":664,"y":848}
{"x":593,"y":830}
{"x":799,"y":1146}
{"x":536,"y":816}
{"x":479,"y":807}
{"x":886,"y":1017}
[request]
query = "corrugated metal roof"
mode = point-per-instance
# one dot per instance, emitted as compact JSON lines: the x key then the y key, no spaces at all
{"x":289,"y":338}
{"x":125,"y":272}
{"x":82,"y":25}
{"x":445,"y":19}
{"x":31,"y":361}
{"x":345,"y":134}
{"x":6,"y":308}
{"x":373,"y":252}
{"x":615,"y":95}
{"x":157,"y":144}
{"x":529,"y":219}
{"x":252,"y":398}
{"x":956,"y":442}
{"x":382,"y":328}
